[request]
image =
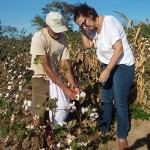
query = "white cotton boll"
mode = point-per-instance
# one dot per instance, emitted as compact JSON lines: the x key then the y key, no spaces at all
{"x":20,"y":76}
{"x":72,"y":104}
{"x":7,"y":94}
{"x":7,"y":138}
{"x":9,"y":82}
{"x":9,"y":71}
{"x":9,"y":87}
{"x":70,"y":138}
{"x":30,"y":126}
{"x":35,"y":117}
{"x":16,"y":96}
{"x":12,"y":78}
{"x":25,"y":101}
{"x":94,"y":109}
{"x":84,"y":110}
{"x":69,"y":141}
{"x":5,"y":112}
{"x":96,"y":115}
{"x":29,"y":103}
{"x":14,"y":72}
{"x":28,"y":68}
{"x":12,"y":118}
{"x":77,"y":97}
{"x":149,"y":48}
{"x":26,"y":108}
{"x":58,"y":144}
{"x":82,"y":143}
{"x":92,"y":115}
{"x":68,"y":107}
{"x":73,"y":109}
{"x":82,"y":94}
{"x":20,"y":87}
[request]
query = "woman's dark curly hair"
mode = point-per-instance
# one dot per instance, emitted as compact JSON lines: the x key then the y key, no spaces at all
{"x":84,"y":10}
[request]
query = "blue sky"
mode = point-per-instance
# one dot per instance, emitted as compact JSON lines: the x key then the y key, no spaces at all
{"x":19,"y":13}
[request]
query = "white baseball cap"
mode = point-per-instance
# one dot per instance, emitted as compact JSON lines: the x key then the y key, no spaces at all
{"x":56,"y":21}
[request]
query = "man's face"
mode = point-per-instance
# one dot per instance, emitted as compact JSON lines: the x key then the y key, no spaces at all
{"x":54,"y":35}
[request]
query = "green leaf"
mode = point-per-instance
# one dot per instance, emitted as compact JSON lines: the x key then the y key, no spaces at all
{"x":52,"y":103}
{"x":64,"y":68}
{"x":84,"y":138}
{"x":74,"y":144}
{"x":37,"y":60}
{"x":5,"y":132}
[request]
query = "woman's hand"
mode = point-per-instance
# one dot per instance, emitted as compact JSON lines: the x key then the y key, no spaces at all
{"x":104,"y":76}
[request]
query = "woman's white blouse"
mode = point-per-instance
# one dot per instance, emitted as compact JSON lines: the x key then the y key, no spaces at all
{"x":111,"y":32}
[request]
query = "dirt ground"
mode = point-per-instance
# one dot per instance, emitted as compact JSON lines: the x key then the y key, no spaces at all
{"x":138,"y":138}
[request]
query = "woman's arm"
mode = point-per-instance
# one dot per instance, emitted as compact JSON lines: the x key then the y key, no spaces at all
{"x":87,"y":42}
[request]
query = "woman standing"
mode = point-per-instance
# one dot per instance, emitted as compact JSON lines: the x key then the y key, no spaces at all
{"x":113,"y":50}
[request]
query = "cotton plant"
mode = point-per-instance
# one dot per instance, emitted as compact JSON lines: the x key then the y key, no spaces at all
{"x":6,"y":95}
{"x":93,"y":115}
{"x":20,"y":88}
{"x":9,"y":87}
{"x":70,"y":138}
{"x":26,"y":104}
{"x":71,"y":107}
{"x":82,"y":94}
{"x":12,"y":118}
{"x":84,"y":110}
{"x":30,"y":126}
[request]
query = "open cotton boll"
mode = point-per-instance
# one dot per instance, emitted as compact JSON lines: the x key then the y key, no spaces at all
{"x":82,"y":94}
{"x":77,"y":97}
{"x":84,"y":110}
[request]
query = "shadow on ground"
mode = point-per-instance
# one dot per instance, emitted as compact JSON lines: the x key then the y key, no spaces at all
{"x":141,"y":142}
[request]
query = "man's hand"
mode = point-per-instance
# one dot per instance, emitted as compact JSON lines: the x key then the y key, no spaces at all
{"x":75,"y":89}
{"x":70,"y":93}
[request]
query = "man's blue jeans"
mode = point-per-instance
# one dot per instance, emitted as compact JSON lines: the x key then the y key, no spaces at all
{"x":117,"y":88}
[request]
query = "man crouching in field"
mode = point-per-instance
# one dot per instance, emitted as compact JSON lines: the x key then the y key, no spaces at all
{"x":49,"y":51}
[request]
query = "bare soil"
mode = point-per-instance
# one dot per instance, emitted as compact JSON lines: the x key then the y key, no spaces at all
{"x":138,"y":138}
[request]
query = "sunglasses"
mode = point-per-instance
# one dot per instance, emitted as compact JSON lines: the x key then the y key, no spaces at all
{"x":83,"y":23}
